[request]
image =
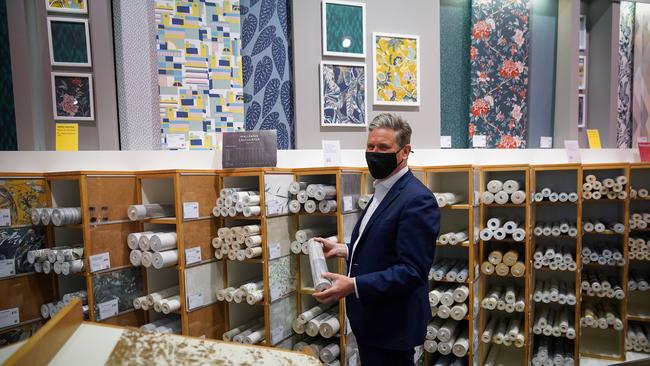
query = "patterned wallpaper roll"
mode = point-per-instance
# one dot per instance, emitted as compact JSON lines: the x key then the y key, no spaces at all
{"x":625,"y":58}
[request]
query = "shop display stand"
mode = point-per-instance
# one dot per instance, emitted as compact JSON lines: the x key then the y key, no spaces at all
{"x":559,"y":178}
{"x":26,"y":291}
{"x":597,"y":343}
{"x":507,"y":354}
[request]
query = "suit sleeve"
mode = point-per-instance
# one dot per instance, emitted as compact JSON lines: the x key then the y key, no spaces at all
{"x":417,"y":231}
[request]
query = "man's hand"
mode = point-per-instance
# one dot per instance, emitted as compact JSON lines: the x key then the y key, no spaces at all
{"x":332,"y":248}
{"x":341,"y":287}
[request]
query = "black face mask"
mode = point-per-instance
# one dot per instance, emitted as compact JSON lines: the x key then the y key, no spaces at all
{"x":382,"y":164}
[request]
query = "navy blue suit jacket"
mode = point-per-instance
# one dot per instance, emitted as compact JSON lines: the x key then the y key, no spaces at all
{"x":391,"y":266}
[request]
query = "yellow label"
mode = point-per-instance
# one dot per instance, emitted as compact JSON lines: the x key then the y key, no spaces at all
{"x":594,"y":139}
{"x":67,"y":137}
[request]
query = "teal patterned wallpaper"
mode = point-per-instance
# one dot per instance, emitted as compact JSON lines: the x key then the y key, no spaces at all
{"x":7,"y":112}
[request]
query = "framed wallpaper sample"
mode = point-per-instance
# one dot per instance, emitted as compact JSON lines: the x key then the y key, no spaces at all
{"x":72,"y":96}
{"x":582,"y":72}
{"x":397,"y":67}
{"x":343,"y":94}
{"x":344,"y":28}
{"x":583,"y":33}
{"x":69,"y":42}
{"x":582,"y":110}
{"x":67,"y":6}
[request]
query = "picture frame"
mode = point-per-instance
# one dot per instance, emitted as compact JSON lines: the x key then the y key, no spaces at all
{"x":69,"y":42}
{"x":582,"y":42}
{"x":59,"y":6}
{"x":342,"y":34}
{"x":582,"y":72}
{"x":72,"y":96}
{"x":582,"y":110}
{"x":406,"y":96}
{"x":333,"y":88}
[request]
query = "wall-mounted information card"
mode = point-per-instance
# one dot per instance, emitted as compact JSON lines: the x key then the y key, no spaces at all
{"x":249,"y":149}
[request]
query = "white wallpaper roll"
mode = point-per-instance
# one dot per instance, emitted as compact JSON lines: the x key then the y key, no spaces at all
{"x":458,"y":311}
{"x":295,"y":187}
{"x":302,"y":196}
{"x":495,"y":222}
{"x":147,"y":211}
{"x":47,"y":267}
{"x":318,"y":266}
{"x":447,"y":330}
{"x":518,"y":197}
{"x":448,"y":198}
{"x":70,"y":254}
{"x":35,"y":216}
{"x":501,"y":197}
{"x":510,"y":186}
{"x":310,"y":206}
{"x":162,"y":294}
{"x":461,"y":293}
{"x":330,"y":327}
{"x":147,"y":259}
{"x":485,"y":234}
{"x":252,"y":211}
{"x":165,"y":259}
{"x":327,"y":206}
{"x":294,"y":206}
{"x":431,"y":346}
{"x":251,"y":200}
{"x":461,"y":344}
{"x":255,"y":336}
{"x":133,"y":238}
{"x":135,"y":257}
{"x":313,"y":312}
{"x":325,"y":192}
{"x":143,"y":242}
{"x":162,"y":241}
{"x":253,"y":252}
{"x":171,"y":304}
{"x":46,"y":215}
{"x":296,"y":247}
{"x":330,"y":352}
{"x":312,"y":327}
{"x":494,"y":186}
{"x":487,"y":198}
{"x":255,"y":297}
{"x":253,"y":241}
{"x":75,"y":266}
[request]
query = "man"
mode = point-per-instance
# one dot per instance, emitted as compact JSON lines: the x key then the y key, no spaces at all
{"x":390,"y":253}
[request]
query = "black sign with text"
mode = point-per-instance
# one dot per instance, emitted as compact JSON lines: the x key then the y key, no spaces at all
{"x":249,"y":149}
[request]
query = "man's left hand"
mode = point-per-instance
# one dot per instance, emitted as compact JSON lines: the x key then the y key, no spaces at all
{"x":341,"y":287}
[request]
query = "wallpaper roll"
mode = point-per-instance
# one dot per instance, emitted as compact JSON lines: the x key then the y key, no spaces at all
{"x":253,"y":241}
{"x":458,"y":311}
{"x":501,"y":269}
{"x":298,"y":326}
{"x":135,"y":257}
{"x":253,"y":252}
{"x":495,"y":222}
{"x":37,"y":255}
{"x":148,"y":211}
{"x":310,"y":206}
{"x":318,"y":266}
{"x":487,"y":268}
{"x":501,"y":197}
{"x":433,"y":327}
{"x":165,"y":259}
{"x":143,"y":242}
{"x":171,"y":304}
{"x":296,"y":247}
{"x":75,"y":266}
{"x":518,"y":269}
{"x":324,"y":192}
{"x":461,"y":344}
{"x":252,"y":200}
{"x":330,"y":352}
{"x":66,"y":216}
{"x":147,"y":259}
{"x":35,"y":216}
{"x":302,"y":196}
{"x":56,"y":267}
{"x":519,"y":234}
{"x":255,"y":297}
{"x":495,"y":257}
{"x":460,"y":293}
{"x":448,"y":198}
{"x":519,"y":197}
{"x":485,"y":234}
{"x":217,"y":242}
{"x":489,"y":330}
{"x":47,"y":267}
{"x":294,"y":206}
{"x":304,"y":248}
{"x":295,"y":187}
{"x":70,"y":254}
{"x":327,"y":206}
{"x":431,"y":346}
{"x":458,"y":237}
{"x":137,"y":302}
{"x":499,"y":234}
{"x":510,"y":186}
{"x":162,"y":241}
{"x":133,"y":238}
{"x":46,"y":215}
{"x":312,"y":327}
{"x":252,"y":211}
{"x":216,"y":211}
{"x":494,"y":186}
{"x":447,"y":330}
{"x":162,"y":294}
{"x":239,"y":295}
{"x":510,"y":258}
{"x":487,"y":198}
{"x":329,"y":328}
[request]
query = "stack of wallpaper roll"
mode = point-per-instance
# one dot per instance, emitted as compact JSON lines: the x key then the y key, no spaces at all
{"x":453,"y":238}
{"x":638,"y":281}
{"x":448,"y":198}
{"x":251,"y":332}
{"x":150,"y":211}
{"x":446,"y":337}
{"x":153,"y":249}
{"x":502,"y":264}
{"x":639,"y":193}
{"x":552,"y":290}
{"x":238,"y":242}
{"x":638,"y":337}
{"x":60,"y":260}
{"x":552,"y":351}
{"x":602,"y":225}
{"x":58,"y":216}
{"x":449,"y":360}
{"x":556,"y":322}
{"x":165,"y":301}
{"x":603,"y":254}
{"x":252,"y":292}
{"x":167,"y":325}
{"x":492,"y":355}
{"x":546,"y":194}
{"x":236,"y":201}
{"x":509,"y":191}
{"x":449,"y":301}
{"x":639,"y":220}
{"x":556,"y":228}
{"x":506,"y":298}
{"x":50,"y":309}
{"x":326,"y":349}
{"x":312,"y":197}
{"x":363,"y":201}
{"x":608,"y":188}
{"x":450,"y":270}
{"x":498,"y":228}
{"x":595,"y":283}
{"x":507,"y":330}
{"x":300,"y":245}
{"x":600,"y":314}
{"x":554,"y":257}
{"x":322,"y":319}
{"x":639,"y":247}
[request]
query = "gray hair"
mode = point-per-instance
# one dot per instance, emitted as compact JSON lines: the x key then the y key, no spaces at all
{"x":396,"y":123}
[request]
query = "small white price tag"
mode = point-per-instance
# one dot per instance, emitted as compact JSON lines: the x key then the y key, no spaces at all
{"x":5,"y":217}
{"x":546,"y":142}
{"x":445,"y":142}
{"x":275,"y":251}
{"x":100,"y":261}
{"x":331,"y":152}
{"x":9,"y":317}
{"x":192,"y":255}
{"x":572,"y":151}
{"x":195,"y":301}
{"x":7,"y":267}
{"x":107,"y":309}
{"x":190,"y":210}
{"x":347,"y":203}
{"x":479,"y":141}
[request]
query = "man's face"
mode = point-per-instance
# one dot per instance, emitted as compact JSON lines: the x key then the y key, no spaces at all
{"x":382,"y":140}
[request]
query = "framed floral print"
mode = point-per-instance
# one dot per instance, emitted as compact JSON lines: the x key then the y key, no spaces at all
{"x":67,"y":6}
{"x":343,"y":94}
{"x":397,"y":68}
{"x":344,"y":28}
{"x":72,"y":96}
{"x":69,"y":42}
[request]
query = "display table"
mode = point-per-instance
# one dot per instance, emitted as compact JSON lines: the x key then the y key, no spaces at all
{"x":68,"y":340}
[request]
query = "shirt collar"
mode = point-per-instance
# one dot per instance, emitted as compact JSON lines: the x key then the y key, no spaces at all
{"x":382,"y":186}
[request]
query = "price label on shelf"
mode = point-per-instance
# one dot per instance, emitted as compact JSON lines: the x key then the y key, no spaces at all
{"x":107,"y":309}
{"x":546,"y":142}
{"x":190,"y":210}
{"x":194,"y":301}
{"x":192,"y":255}
{"x":5,"y":217}
{"x":7,"y":268}
{"x":479,"y":141}
{"x":9,"y":317}
{"x":100,"y":262}
{"x":275,"y":251}
{"x":348,"y":204}
{"x":445,"y":142}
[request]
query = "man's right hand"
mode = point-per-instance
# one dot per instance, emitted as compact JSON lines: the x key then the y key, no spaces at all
{"x":332,"y":248}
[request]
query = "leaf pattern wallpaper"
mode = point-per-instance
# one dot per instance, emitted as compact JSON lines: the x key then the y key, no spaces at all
{"x":625,"y":58}
{"x":267,"y":68}
{"x":343,"y":94}
{"x":15,"y":243}
{"x":396,"y":70}
{"x":499,"y":72}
